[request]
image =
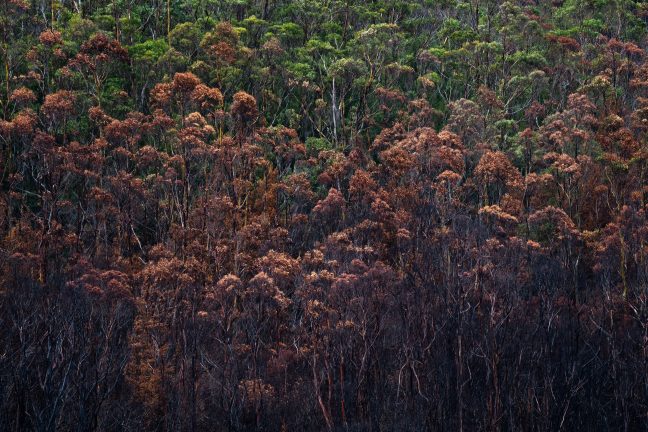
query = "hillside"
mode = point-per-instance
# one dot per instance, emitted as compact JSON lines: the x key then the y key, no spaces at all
{"x":323,"y":215}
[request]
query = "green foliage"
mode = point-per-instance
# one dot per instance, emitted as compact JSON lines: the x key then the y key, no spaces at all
{"x":105,"y":22}
{"x":185,"y":38}
{"x":149,"y":51}
{"x":533,"y":58}
{"x":315,"y":145}
{"x":301,"y":71}
{"x":79,"y":29}
{"x":289,"y":33}
{"x":115,"y":100}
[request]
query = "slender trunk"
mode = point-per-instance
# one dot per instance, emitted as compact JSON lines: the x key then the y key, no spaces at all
{"x":168,"y":22}
{"x":459,"y":383}
{"x":6,"y":75}
{"x":265,"y":9}
{"x":320,"y":401}
{"x":342,"y":403}
{"x":334,"y":113}
{"x":622,"y":264}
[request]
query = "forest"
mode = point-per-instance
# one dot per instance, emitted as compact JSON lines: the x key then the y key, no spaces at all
{"x":323,"y":215}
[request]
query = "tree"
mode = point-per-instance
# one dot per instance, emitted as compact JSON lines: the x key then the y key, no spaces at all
{"x":95,"y":62}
